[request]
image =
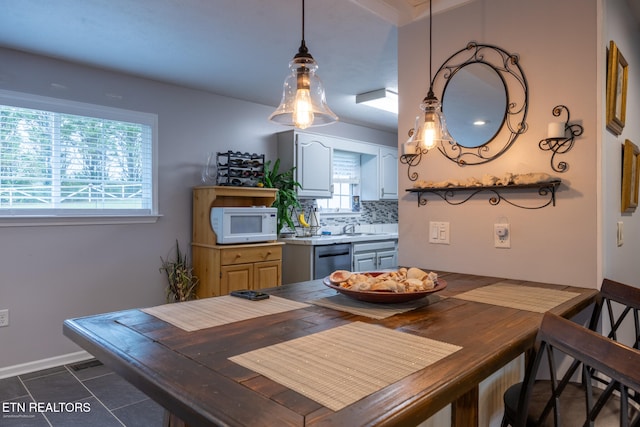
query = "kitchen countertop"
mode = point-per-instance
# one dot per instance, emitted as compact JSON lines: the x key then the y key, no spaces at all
{"x":339,"y":238}
{"x":362,"y":233}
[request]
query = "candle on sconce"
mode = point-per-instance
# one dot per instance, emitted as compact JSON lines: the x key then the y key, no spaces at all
{"x":555,"y":130}
{"x":409,"y":148}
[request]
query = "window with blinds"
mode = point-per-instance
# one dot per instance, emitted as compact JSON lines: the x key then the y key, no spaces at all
{"x":346,"y":180}
{"x":61,"y":158}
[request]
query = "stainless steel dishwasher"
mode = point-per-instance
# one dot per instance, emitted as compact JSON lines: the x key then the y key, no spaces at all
{"x":329,"y":258}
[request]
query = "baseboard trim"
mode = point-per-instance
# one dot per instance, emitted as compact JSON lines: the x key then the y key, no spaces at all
{"x":38,"y":365}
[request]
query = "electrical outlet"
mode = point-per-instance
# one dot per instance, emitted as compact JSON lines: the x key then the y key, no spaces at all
{"x":4,"y":317}
{"x":620,"y":233}
{"x":502,"y":236}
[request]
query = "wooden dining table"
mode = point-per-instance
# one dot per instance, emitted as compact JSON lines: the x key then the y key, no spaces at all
{"x":189,"y":372}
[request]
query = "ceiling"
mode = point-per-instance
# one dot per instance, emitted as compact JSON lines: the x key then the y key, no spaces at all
{"x":236,"y":48}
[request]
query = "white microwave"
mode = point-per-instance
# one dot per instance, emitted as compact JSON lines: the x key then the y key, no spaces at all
{"x":244,"y":224}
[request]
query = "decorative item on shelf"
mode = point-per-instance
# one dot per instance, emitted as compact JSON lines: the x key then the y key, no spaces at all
{"x":303,"y":99}
{"x":209,"y":174}
{"x":239,"y":169}
{"x":557,"y":139}
{"x":545,"y":185}
{"x":182,"y":281}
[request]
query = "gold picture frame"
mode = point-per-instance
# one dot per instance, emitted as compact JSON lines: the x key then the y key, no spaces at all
{"x":630,"y":177}
{"x":617,"y":72}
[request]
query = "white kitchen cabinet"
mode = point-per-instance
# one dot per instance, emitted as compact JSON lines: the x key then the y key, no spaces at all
{"x":388,"y":173}
{"x":373,"y":256}
{"x":380,"y":174}
{"x":312,"y":156}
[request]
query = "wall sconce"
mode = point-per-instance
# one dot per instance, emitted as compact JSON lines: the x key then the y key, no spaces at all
{"x":412,"y":152}
{"x":557,"y":139}
{"x":382,"y":99}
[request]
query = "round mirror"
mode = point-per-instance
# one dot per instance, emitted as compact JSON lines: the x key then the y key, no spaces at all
{"x":474,"y":102}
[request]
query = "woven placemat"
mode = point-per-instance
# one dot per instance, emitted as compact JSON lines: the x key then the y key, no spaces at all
{"x":374,"y":311}
{"x":528,"y":298}
{"x":340,"y":366}
{"x":216,"y":311}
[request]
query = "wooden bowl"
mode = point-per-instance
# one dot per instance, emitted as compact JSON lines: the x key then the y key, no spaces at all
{"x":384,"y":297}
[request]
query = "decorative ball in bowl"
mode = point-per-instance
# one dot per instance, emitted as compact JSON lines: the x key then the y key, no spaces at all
{"x":386,"y":287}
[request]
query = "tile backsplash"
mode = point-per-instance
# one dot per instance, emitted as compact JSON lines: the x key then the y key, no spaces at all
{"x":378,"y":212}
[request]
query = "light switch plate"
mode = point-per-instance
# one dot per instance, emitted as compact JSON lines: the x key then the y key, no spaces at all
{"x":439,"y":232}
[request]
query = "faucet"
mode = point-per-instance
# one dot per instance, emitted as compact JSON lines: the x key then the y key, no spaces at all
{"x":347,"y":227}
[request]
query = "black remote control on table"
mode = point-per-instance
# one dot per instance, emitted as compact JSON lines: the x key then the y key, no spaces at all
{"x":250,"y":295}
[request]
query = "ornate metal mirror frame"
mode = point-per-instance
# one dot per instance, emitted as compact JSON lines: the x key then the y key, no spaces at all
{"x":507,"y":66}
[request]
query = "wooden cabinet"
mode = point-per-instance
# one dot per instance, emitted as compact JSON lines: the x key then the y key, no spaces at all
{"x":373,"y":256}
{"x":312,"y":156}
{"x":224,"y":268}
{"x":243,"y":267}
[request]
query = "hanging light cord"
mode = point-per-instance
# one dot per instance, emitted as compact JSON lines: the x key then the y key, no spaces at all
{"x":303,"y":52}
{"x":430,"y":94}
{"x":430,"y":38}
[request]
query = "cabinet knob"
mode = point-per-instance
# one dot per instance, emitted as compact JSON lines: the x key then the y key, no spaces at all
{"x":238,"y":254}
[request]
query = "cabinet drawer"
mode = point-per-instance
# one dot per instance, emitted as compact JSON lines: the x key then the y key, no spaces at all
{"x":374,"y":246}
{"x":245,"y":255}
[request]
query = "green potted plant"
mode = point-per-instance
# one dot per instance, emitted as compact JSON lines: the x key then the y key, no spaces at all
{"x":182,"y":281}
{"x":286,"y":196}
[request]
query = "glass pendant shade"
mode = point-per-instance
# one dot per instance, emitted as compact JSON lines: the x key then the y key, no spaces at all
{"x":433,"y":130}
{"x":303,"y":100}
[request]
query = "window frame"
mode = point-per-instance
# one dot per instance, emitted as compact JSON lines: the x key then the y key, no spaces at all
{"x":354,"y":188}
{"x":85,"y":217}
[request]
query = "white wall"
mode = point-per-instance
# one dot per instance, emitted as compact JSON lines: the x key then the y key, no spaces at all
{"x":558,"y":54}
{"x":621,"y":263}
{"x":50,"y":274}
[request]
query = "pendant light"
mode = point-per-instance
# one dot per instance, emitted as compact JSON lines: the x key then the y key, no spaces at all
{"x":303,"y":101}
{"x":433,"y":129}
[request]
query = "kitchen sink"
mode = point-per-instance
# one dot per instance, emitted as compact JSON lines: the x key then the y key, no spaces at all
{"x":358,"y":234}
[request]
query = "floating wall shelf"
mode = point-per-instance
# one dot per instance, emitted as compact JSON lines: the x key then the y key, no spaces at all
{"x":546,"y":190}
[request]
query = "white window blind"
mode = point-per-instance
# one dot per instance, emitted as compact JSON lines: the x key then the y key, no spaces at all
{"x":69,"y":159}
{"x":346,"y":167}
{"x":346,"y":177}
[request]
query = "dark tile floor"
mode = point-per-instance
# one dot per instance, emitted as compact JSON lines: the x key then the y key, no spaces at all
{"x":82,"y":394}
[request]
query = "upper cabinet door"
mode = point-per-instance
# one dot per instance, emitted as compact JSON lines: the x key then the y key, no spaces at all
{"x":388,"y":173}
{"x":314,"y":169}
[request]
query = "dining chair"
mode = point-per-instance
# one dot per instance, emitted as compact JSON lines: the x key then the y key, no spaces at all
{"x":558,"y":402}
{"x":619,"y":304}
